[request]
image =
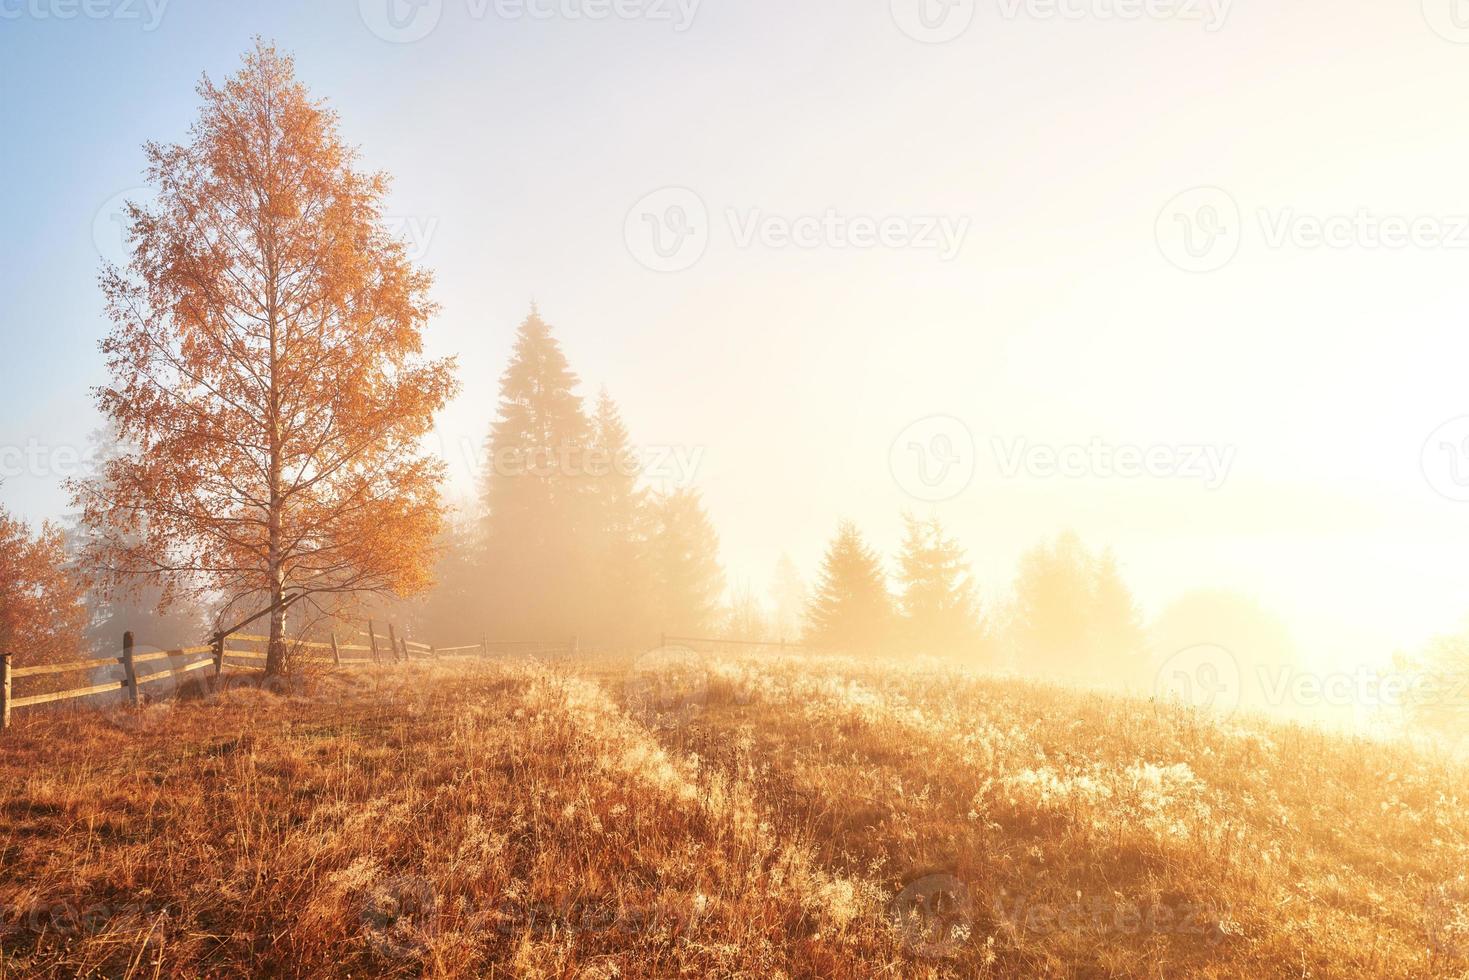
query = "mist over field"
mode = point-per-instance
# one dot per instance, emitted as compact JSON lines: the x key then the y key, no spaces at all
{"x":657,"y":488}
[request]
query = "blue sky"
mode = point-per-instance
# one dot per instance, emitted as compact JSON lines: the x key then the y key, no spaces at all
{"x":524,"y":150}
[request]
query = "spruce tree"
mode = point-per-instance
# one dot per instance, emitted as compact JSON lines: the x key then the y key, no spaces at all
{"x":1073,"y":615}
{"x":1050,"y":621}
{"x":537,"y":493}
{"x":937,"y":600}
{"x":620,"y":585}
{"x":687,"y":579}
{"x":851,"y":609}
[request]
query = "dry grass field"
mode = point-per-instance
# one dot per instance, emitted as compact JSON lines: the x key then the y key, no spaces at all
{"x":744,"y":816}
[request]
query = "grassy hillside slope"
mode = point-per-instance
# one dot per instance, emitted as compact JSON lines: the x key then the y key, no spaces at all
{"x":740,"y":816}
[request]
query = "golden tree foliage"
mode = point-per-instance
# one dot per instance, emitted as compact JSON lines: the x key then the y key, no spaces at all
{"x":41,"y":613}
{"x":266,"y":369}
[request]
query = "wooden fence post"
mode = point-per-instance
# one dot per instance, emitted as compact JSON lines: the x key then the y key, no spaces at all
{"x":4,"y":691}
{"x":484,"y":645}
{"x":336,"y":654}
{"x":128,"y":668}
{"x":393,"y":640}
{"x":403,"y":648}
{"x":372,"y":638}
{"x":433,"y":652}
{"x":218,"y":654}
{"x":575,"y":644}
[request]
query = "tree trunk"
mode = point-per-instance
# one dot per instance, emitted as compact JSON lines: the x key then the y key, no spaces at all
{"x":275,"y":660}
{"x":275,"y":657}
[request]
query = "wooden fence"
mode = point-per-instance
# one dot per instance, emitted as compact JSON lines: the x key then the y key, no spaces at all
{"x":225,"y":651}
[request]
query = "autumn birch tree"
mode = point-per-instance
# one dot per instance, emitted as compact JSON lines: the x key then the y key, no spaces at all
{"x":266,"y":370}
